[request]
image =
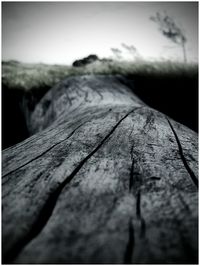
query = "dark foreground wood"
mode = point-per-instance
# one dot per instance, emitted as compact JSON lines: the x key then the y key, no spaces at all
{"x":104,"y":179}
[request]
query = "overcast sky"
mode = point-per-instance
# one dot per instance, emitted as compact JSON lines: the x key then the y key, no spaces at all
{"x":60,"y":32}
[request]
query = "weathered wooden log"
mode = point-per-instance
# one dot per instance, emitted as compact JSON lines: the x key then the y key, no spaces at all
{"x":104,"y":179}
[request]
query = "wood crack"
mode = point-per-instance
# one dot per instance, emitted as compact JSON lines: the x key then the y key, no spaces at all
{"x":155,"y":178}
{"x":131,"y":172}
{"x":139,"y":215}
{"x":189,"y":170}
{"x":41,"y":154}
{"x":47,"y":209}
{"x":130,"y":245}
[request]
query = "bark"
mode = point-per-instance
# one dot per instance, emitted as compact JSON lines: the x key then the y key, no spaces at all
{"x":104,"y":179}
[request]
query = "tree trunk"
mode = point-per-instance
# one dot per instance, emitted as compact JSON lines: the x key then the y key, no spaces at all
{"x":104,"y":179}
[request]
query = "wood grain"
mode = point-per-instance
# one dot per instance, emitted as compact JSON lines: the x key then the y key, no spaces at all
{"x":104,"y":179}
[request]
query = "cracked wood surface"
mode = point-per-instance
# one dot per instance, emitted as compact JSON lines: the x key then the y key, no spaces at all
{"x":105,"y":179}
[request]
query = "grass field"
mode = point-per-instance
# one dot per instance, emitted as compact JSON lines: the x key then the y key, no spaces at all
{"x":33,"y":76}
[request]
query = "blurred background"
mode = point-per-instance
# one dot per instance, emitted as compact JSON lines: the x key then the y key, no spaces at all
{"x":60,"y":32}
{"x":152,"y":45}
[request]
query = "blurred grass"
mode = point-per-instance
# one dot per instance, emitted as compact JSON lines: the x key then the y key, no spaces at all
{"x":16,"y":75}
